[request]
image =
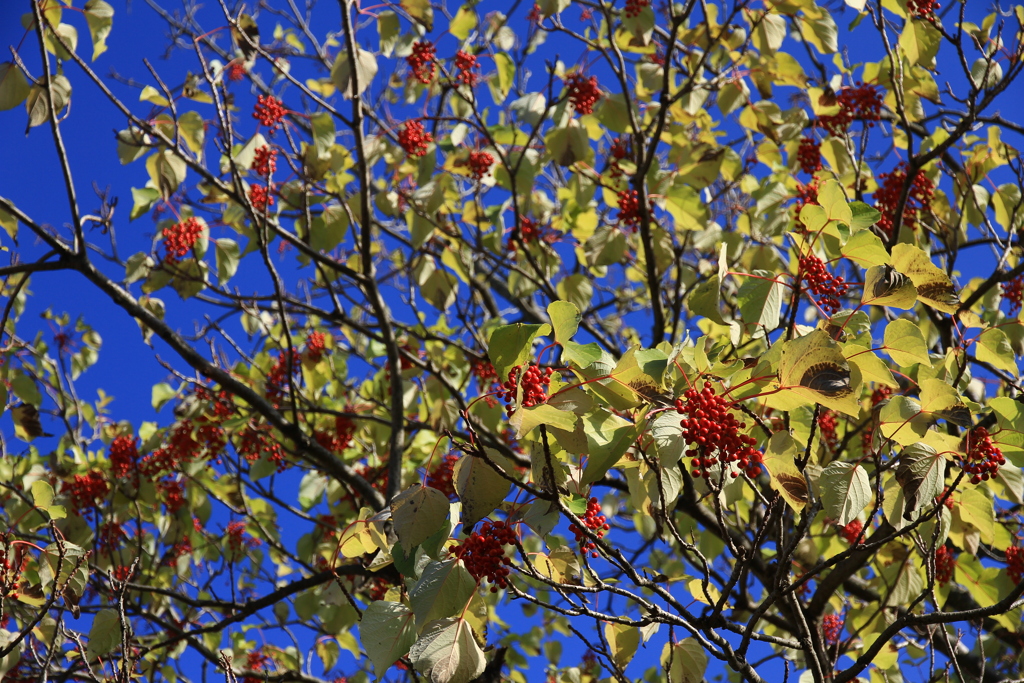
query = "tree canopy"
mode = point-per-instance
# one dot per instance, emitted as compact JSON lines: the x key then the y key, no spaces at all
{"x":581,"y":340}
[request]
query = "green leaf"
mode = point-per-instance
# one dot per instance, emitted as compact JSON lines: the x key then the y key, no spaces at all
{"x":933,"y":285}
{"x":9,"y":223}
{"x":886,"y":286}
{"x":463,"y":23}
{"x":866,"y":250}
{"x":821,"y":32}
{"x":100,"y":17}
{"x":228,"y":255}
{"x":328,"y":229}
{"x":608,"y":438}
{"x":864,"y":216}
{"x":684,"y":661}
{"x":162,"y":393}
{"x":833,"y":200}
{"x":845,"y":491}
{"x":813,"y":368}
{"x":760,"y":299}
{"x":512,"y":345}
{"x":153,"y":96}
{"x":13,"y":86}
{"x":706,"y":298}
{"x":417,"y":513}
{"x":421,"y":11}
{"x":389,"y":28}
{"x":167,"y":172}
{"x":324,"y":133}
{"x":386,"y":631}
{"x":447,"y":652}
{"x":920,"y":42}
{"x":779,"y":460}
{"x":993,"y":346}
{"x":525,"y":420}
{"x":905,"y":344}
{"x":341,"y":72}
{"x":623,"y":641}
{"x":581,"y":355}
{"x":921,"y":474}
{"x":104,"y":635}
{"x":480,"y":487}
{"x":506,"y":72}
{"x":193,"y":131}
{"x":444,"y":589}
{"x":902,"y":421}
{"x":42,"y":494}
{"x":565,"y":320}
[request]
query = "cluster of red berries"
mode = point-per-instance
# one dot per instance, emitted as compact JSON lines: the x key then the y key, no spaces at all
{"x":235,"y":71}
{"x":629,"y":209}
{"x":264,"y":161}
{"x":808,"y":155}
{"x":280,"y":376}
{"x":173,"y":494}
{"x":184,"y":447}
{"x":1015,"y":563}
{"x":179,"y":549}
{"x":594,"y":520}
{"x":269,"y":111}
{"x":421,"y":61}
{"x":483,"y":370}
{"x":827,"y":424}
{"x":1013,"y":292}
{"x":633,"y":8}
{"x":944,"y":565}
{"x":583,"y":92}
{"x":237,"y":537}
{"x":180,"y":238}
{"x":344,"y":429}
{"x":377,"y":588}
{"x":983,"y":459}
{"x":806,"y":194}
{"x":260,"y":198}
{"x":480,"y":164}
{"x":922,"y":8}
{"x":414,"y":138}
{"x":483,"y":553}
{"x":887,"y":197}
{"x":256,"y":440}
{"x":109,"y":536}
{"x":713,"y":432}
{"x":256,"y":661}
{"x":619,"y":151}
{"x":528,"y":231}
{"x":832,"y":628}
{"x":377,"y":477}
{"x":86,"y":492}
{"x":315,"y":346}
{"x":442,"y":476}
{"x":852,"y":531}
{"x":535,"y":382}
{"x":124,"y":456}
{"x":861,"y":102}
{"x":826,"y":288}
{"x":465,"y":63}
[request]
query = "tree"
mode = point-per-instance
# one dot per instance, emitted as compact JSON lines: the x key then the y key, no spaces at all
{"x":659,"y":347}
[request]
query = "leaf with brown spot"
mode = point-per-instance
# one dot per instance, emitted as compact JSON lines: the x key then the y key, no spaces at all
{"x":830,"y":379}
{"x":26,"y":422}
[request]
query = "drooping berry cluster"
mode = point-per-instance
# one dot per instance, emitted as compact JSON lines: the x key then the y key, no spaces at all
{"x":827,"y":424}
{"x":484,"y":371}
{"x":86,"y":492}
{"x":826,"y":288}
{"x":260,"y":198}
{"x":832,"y":628}
{"x":1013,"y":292}
{"x":528,"y":231}
{"x":924,"y":9}
{"x":256,"y":440}
{"x":594,"y":520}
{"x":264,"y":161}
{"x":862,"y":102}
{"x":441,"y":477}
{"x":713,"y":433}
{"x":269,"y":111}
{"x":124,"y":456}
{"x":480,"y":164}
{"x":235,"y":71}
{"x":172,"y":492}
{"x":465,"y":64}
{"x":806,"y":194}
{"x":377,"y":588}
{"x":414,"y":138}
{"x":1015,"y":563}
{"x":619,"y":151}
{"x":945,"y":563}
{"x":633,"y":8}
{"x":255,"y":661}
{"x":110,"y":536}
{"x":583,"y":92}
{"x":237,"y":537}
{"x":535,"y":382}
{"x":887,"y":198}
{"x":808,"y":155}
{"x":421,"y":61}
{"x":180,"y":238}
{"x":280,"y":376}
{"x":983,"y":459}
{"x":483,"y":553}
{"x":629,"y":209}
{"x":315,"y":346}
{"x":852,"y":531}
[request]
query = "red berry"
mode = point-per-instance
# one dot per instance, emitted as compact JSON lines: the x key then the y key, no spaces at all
{"x":480,"y":164}
{"x":315,"y":346}
{"x":264,"y":161}
{"x":827,"y":423}
{"x":534,"y":382}
{"x":235,"y":71}
{"x":440,"y":477}
{"x":826,"y":287}
{"x":944,"y":565}
{"x":809,"y":155}
{"x":922,"y":8}
{"x":862,"y":102}
{"x":982,"y":459}
{"x":483,"y":553}
{"x":260,"y":198}
{"x":124,"y":456}
{"x":465,"y":63}
{"x":1013,"y":292}
{"x":633,"y":8}
{"x":713,"y":432}
{"x":1015,"y":563}
{"x":887,"y":198}
{"x":852,"y":531}
{"x":832,"y":628}
{"x":596,"y":522}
